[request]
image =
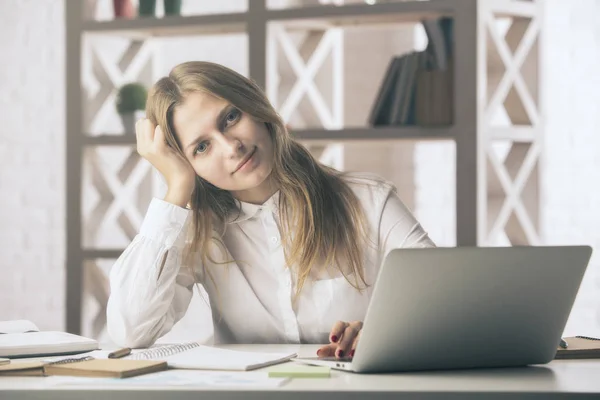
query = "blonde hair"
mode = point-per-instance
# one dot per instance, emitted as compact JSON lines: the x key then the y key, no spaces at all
{"x":323,"y":222}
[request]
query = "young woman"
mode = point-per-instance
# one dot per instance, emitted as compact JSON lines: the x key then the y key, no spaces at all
{"x":286,"y":248}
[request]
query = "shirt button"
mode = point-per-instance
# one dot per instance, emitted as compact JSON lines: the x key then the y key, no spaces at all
{"x":274,"y":240}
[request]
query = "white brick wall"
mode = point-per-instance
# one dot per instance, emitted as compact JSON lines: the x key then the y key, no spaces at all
{"x":32,"y":229}
{"x":571,"y":176}
{"x":32,"y":137}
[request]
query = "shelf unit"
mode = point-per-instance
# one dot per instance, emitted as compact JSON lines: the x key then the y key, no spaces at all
{"x":317,"y":134}
{"x":493,"y":195}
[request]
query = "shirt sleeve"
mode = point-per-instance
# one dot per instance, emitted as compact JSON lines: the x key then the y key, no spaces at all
{"x":150,"y":288}
{"x":398,"y":228}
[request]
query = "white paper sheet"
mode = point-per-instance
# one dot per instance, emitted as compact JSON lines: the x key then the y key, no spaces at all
{"x":252,"y":379}
{"x":17,"y":326}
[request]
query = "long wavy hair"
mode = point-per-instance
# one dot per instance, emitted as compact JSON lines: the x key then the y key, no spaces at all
{"x":323,"y":223}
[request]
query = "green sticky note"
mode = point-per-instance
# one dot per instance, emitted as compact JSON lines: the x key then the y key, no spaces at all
{"x":299,"y":371}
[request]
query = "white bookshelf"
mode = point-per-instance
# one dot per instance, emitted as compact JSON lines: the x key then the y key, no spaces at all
{"x":492,"y":197}
{"x":237,"y":22}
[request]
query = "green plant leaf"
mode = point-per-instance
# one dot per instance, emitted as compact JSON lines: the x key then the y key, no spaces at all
{"x":131,"y":97}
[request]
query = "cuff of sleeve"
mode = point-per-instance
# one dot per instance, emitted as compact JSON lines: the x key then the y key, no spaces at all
{"x":165,"y":223}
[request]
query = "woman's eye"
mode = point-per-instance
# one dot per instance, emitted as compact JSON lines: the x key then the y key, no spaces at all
{"x":201,"y":148}
{"x":232,"y":116}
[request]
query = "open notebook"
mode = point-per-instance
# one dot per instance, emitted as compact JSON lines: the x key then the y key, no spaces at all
{"x":23,"y":339}
{"x":196,"y":356}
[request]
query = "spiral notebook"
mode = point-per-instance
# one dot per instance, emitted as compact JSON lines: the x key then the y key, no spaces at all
{"x":193,"y":355}
{"x":34,"y":368}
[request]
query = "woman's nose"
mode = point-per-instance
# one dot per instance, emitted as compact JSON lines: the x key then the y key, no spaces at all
{"x":234,"y":146}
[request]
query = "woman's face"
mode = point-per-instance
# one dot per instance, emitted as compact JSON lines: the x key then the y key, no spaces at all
{"x":226,"y":147}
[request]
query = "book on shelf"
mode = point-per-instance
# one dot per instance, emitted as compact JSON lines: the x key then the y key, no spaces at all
{"x":439,"y":42}
{"x":417,"y":87}
{"x":381,"y":111}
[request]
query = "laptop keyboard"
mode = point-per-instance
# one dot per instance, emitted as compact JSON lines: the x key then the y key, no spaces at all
{"x":334,"y":359}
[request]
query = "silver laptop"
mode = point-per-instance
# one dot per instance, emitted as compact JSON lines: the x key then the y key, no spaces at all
{"x":467,"y":307}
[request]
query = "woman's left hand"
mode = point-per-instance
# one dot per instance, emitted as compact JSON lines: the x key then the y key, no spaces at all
{"x":342,"y":340}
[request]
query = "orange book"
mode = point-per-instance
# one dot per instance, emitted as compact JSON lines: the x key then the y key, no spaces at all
{"x":579,"y":347}
{"x":112,"y":368}
{"x":31,"y":368}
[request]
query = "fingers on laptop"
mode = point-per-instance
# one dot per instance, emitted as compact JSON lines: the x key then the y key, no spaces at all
{"x":347,"y":343}
{"x":327,"y":350}
{"x":343,"y":339}
{"x":337,"y":331}
{"x":334,"y":338}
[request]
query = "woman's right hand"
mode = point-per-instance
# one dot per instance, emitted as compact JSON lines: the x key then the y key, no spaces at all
{"x":177,"y":171}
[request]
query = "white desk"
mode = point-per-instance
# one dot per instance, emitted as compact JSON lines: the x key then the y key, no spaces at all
{"x":559,"y":379}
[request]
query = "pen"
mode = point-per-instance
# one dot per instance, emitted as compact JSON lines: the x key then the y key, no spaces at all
{"x":563,"y":343}
{"x":120,"y":353}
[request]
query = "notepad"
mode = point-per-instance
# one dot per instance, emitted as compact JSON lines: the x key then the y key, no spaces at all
{"x":105,"y":368}
{"x":579,"y":347}
{"x":196,"y":356}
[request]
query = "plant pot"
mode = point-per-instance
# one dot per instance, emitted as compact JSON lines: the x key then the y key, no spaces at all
{"x":128,"y":120}
{"x":172,"y":7}
{"x":123,"y":9}
{"x":147,"y":8}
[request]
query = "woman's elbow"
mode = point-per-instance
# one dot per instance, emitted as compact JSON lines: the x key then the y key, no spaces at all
{"x":131,"y":330}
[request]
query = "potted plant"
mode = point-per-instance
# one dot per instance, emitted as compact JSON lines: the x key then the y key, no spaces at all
{"x":147,"y":8}
{"x":172,"y":7}
{"x":131,"y":104}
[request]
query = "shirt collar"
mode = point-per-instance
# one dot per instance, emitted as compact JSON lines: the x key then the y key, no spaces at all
{"x":246,"y":211}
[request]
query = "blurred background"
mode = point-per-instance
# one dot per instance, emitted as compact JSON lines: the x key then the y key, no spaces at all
{"x":484,"y":113}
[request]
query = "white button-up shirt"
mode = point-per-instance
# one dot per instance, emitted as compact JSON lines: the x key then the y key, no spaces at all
{"x":252,"y":298}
